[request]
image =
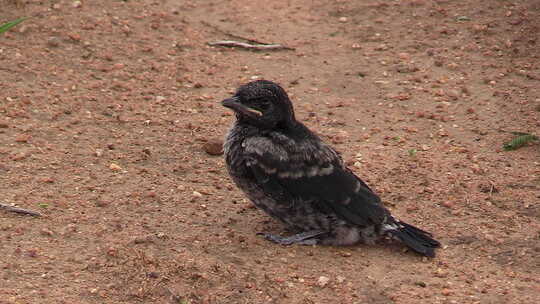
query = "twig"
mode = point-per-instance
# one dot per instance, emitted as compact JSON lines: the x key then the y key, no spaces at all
{"x":19,"y":210}
{"x":231,"y":34}
{"x":492,"y":188}
{"x":231,"y":43}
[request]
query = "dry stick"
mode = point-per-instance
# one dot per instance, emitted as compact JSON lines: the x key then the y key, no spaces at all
{"x":19,"y":210}
{"x":231,"y":43}
{"x":254,"y":44}
{"x":230,"y":34}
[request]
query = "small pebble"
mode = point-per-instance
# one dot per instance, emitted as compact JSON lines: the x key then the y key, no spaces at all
{"x":323,"y":281}
{"x":346,"y":254}
{"x":420,"y":283}
{"x":115,"y":167}
{"x":53,"y":42}
{"x":46,"y":232}
{"x":447,"y":204}
{"x":404,"y":56}
{"x":213,"y":147}
{"x":197,"y":194}
{"x":23,"y":138}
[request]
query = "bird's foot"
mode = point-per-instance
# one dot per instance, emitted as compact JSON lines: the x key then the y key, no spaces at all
{"x":304,"y":238}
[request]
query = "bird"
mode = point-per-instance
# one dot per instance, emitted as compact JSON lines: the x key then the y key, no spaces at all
{"x":288,"y":172}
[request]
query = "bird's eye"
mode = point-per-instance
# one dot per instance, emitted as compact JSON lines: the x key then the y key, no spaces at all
{"x":263,"y":105}
{"x":260,"y":103}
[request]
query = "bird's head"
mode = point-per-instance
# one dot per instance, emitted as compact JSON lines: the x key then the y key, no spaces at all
{"x":263,"y":104}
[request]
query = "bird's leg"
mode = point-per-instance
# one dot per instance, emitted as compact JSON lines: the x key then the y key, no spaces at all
{"x":304,"y":238}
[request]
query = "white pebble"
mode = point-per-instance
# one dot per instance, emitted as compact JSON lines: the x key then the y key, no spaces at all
{"x":323,"y":281}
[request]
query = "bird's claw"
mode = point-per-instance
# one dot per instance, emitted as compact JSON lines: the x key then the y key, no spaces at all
{"x":304,"y":238}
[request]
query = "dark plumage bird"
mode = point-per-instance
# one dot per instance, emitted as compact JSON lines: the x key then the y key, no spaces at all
{"x":291,"y":174}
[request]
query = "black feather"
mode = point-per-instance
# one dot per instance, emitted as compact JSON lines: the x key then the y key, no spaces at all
{"x":415,"y":238}
{"x":288,"y":172}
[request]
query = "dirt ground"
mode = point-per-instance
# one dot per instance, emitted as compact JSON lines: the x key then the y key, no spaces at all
{"x":106,"y":107}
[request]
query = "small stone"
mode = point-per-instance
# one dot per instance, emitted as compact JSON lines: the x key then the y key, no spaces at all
{"x":76,"y":4}
{"x":115,"y":167}
{"x":46,"y":232}
{"x":197,"y":194}
{"x":323,"y":281}
{"x":152,"y":275}
{"x":346,"y":254}
{"x":213,"y":147}
{"x":74,"y":37}
{"x":441,"y":273}
{"x":19,"y":156}
{"x":447,"y":204}
{"x":23,"y":138}
{"x":33,"y":253}
{"x":48,"y":180}
{"x":477,"y":169}
{"x":453,"y":94}
{"x":53,"y":42}
{"x":340,"y":279}
{"x":452,"y":65}
{"x":404,"y":56}
{"x":343,"y":19}
{"x":446,"y":292}
{"x":99,"y":152}
{"x":24,"y":29}
{"x":420,"y":283}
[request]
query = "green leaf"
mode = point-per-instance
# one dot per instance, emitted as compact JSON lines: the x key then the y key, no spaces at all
{"x":6,"y":26}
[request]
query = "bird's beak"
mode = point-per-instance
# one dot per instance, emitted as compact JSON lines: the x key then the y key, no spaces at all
{"x":235,"y":104}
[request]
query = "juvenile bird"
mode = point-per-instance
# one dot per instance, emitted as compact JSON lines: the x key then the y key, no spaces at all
{"x":291,"y":174}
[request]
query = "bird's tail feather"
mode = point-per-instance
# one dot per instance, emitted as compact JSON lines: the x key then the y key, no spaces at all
{"x":415,"y":238}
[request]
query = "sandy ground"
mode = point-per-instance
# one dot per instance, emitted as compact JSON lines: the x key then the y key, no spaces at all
{"x":106,"y":108}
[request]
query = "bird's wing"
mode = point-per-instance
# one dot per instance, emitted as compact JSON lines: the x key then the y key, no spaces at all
{"x":312,"y":172}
